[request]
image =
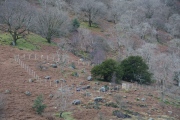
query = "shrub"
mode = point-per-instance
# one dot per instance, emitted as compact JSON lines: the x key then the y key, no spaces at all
{"x":106,"y":69}
{"x":75,"y":74}
{"x":38,"y":105}
{"x":75,"y":24}
{"x":135,"y":69}
{"x":111,"y":104}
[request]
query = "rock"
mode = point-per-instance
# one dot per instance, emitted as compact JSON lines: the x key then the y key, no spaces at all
{"x":81,"y":59}
{"x":170,"y":112}
{"x":89,"y":78}
{"x":143,"y":99}
{"x":31,"y":80}
{"x":124,"y":96}
{"x":78,"y":89}
{"x":121,"y":115}
{"x":27,"y":93}
{"x":54,"y":65}
{"x":84,"y":88}
{"x":88,"y":86}
{"x":150,"y":119}
{"x":102,"y":89}
{"x":97,"y":83}
{"x":56,"y":81}
{"x":116,"y":88}
{"x":76,"y":102}
{"x":83,"y":71}
{"x":87,"y":94}
{"x":63,"y":80}
{"x":7,"y":91}
{"x":47,"y":77}
{"x":51,"y":96}
{"x":98,"y":99}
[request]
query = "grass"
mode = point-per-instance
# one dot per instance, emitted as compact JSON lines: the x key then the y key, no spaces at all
{"x":173,"y":103}
{"x":66,"y":115}
{"x":31,"y":42}
{"x":94,"y":27}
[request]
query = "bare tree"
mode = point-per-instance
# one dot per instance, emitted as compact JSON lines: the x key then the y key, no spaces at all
{"x":63,"y":99}
{"x":51,"y":23}
{"x":16,"y":18}
{"x":117,"y":8}
{"x":92,"y":9}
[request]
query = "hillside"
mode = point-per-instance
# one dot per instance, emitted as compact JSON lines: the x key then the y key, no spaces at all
{"x":49,"y":48}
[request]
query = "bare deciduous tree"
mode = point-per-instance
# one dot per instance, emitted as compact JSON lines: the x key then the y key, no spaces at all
{"x":92,"y":9}
{"x":51,"y":23}
{"x":16,"y":18}
{"x":63,"y":99}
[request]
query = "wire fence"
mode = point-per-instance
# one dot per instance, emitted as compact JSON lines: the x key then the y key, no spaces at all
{"x":51,"y":58}
{"x":54,"y":58}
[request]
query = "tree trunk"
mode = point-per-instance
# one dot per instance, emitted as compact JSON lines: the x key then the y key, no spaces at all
{"x":90,"y":21}
{"x":48,"y":40}
{"x":14,"y":39}
{"x":60,"y":114}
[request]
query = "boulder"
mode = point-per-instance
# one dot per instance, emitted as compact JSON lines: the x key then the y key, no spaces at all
{"x":102,"y":89}
{"x":53,"y":65}
{"x":89,"y":78}
{"x":122,"y":115}
{"x":27,"y":93}
{"x":78,"y":89}
{"x":51,"y":95}
{"x":32,"y":80}
{"x":88,"y":86}
{"x":56,"y":81}
{"x":85,"y":87}
{"x":97,"y":83}
{"x":98,"y":99}
{"x":150,"y":119}
{"x":76,"y":102}
{"x":47,"y":77}
{"x":63,"y":80}
{"x":143,"y":99}
{"x":7,"y":91}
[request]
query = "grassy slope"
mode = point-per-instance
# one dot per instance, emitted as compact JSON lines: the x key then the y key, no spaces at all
{"x":94,"y":27}
{"x":31,"y":42}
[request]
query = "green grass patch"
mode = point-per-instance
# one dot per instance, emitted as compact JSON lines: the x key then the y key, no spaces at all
{"x":94,"y":26}
{"x":66,"y":115}
{"x":31,"y":42}
{"x":173,"y":103}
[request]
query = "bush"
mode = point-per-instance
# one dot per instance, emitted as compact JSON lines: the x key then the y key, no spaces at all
{"x":38,"y":105}
{"x":135,"y":69}
{"x":75,"y":24}
{"x":106,"y":69}
{"x":111,"y":104}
